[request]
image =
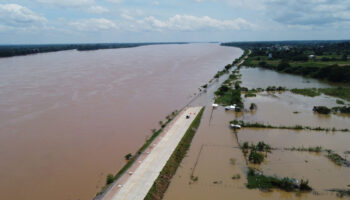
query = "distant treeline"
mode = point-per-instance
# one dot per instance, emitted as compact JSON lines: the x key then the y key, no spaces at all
{"x":328,"y":60}
{"x":19,"y":50}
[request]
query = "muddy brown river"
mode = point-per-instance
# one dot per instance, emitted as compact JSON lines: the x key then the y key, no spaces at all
{"x":68,"y":118}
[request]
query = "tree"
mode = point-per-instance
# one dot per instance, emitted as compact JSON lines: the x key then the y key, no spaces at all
{"x":109,"y":179}
{"x":284,"y":64}
{"x":128,"y":156}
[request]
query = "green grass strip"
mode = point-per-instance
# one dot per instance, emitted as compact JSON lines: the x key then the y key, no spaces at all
{"x":162,"y":182}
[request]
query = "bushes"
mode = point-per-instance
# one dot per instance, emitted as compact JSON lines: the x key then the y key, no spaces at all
{"x":228,"y":96}
{"x":109,"y":179}
{"x":342,"y":109}
{"x":321,"y":109}
{"x":337,"y":159}
{"x":260,"y":181}
{"x":255,"y":157}
{"x":296,"y":127}
{"x":128,"y":156}
{"x":253,"y":106}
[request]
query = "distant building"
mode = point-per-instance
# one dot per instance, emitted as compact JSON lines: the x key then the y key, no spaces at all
{"x":312,"y":56}
{"x":270,"y":55}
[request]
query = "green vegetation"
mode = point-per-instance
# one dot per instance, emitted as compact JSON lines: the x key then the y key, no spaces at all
{"x":339,"y":92}
{"x":326,"y":60}
{"x":220,"y":73}
{"x":162,"y":182}
{"x":226,"y":95}
{"x":311,"y":92}
{"x":341,"y":192}
{"x":256,"y":155}
{"x":296,"y":127}
{"x":18,"y":50}
{"x":274,"y":89}
{"x":321,"y":109}
{"x":340,"y":102}
{"x":337,"y":159}
{"x":109,"y":179}
{"x":128,"y":156}
{"x":250,"y":93}
{"x":260,"y":181}
{"x":316,"y":149}
{"x":342,"y":109}
{"x":253,"y":106}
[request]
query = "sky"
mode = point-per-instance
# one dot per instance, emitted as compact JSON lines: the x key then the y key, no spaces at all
{"x":93,"y":21}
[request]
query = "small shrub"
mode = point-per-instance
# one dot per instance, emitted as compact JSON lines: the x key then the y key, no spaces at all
{"x":321,"y":109}
{"x":128,"y":156}
{"x":255,"y":157}
{"x":340,"y":101}
{"x":245,"y":145}
{"x":253,"y":106}
{"x":304,"y":185}
{"x":109,"y":179}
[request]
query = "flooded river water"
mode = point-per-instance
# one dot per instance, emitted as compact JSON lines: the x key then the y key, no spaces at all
{"x":68,"y":118}
{"x":215,"y":145}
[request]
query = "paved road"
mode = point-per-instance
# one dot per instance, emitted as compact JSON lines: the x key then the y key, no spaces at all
{"x":139,"y":183}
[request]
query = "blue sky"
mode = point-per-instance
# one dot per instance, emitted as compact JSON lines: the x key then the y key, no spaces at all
{"x":85,"y":21}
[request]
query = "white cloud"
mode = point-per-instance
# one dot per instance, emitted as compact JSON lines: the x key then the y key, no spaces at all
{"x":93,"y":24}
{"x":97,"y":9}
{"x":193,"y":23}
{"x":115,"y":1}
{"x":15,"y":16}
{"x":67,"y":3}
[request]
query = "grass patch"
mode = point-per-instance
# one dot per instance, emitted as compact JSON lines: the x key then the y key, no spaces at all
{"x":162,"y":182}
{"x":337,"y":159}
{"x":250,"y":93}
{"x":316,"y":149}
{"x":340,"y":92}
{"x":342,"y":109}
{"x":338,"y":101}
{"x":296,"y":127}
{"x":260,"y":181}
{"x":256,"y":155}
{"x":341,"y":192}
{"x":310,"y":92}
{"x":322,"y":110}
{"x":275,"y":88}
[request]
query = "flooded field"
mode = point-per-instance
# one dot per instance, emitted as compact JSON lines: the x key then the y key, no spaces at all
{"x":219,"y":166}
{"x":68,"y":118}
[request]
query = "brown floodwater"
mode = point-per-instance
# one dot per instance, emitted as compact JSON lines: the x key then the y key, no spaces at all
{"x":215,"y":145}
{"x":68,"y":118}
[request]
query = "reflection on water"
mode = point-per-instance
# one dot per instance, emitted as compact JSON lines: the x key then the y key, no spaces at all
{"x":68,"y":118}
